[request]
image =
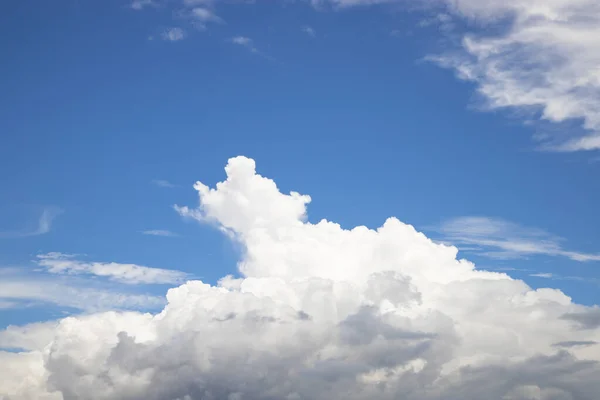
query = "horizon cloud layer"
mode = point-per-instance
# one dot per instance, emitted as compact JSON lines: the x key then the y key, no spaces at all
{"x":318,"y":312}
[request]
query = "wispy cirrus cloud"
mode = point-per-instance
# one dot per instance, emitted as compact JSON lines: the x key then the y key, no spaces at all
{"x":501,"y":239}
{"x":558,"y":277}
{"x":541,"y":57}
{"x":160,"y":232}
{"x":242,"y":41}
{"x":203,"y":15}
{"x":248,"y":43}
{"x":309,"y":31}
{"x":19,"y":291}
{"x":163,"y":183}
{"x":58,"y":263}
{"x":545,"y":275}
{"x":538,"y":57}
{"x":141,"y":4}
{"x":173,"y":35}
{"x":6,"y":304}
{"x":192,"y":3}
{"x":44,"y":224}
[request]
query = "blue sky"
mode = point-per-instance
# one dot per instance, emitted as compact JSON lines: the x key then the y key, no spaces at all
{"x":110,"y":111}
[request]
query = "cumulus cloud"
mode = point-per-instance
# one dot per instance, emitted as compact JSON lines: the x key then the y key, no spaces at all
{"x":58,"y":263}
{"x":501,"y":239}
{"x":318,"y":312}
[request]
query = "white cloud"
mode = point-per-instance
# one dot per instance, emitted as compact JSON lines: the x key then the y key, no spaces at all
{"x":192,"y":3}
{"x":19,"y":292}
{"x":245,"y":42}
{"x":29,"y":337}
{"x":546,"y":58}
{"x":173,"y":35}
{"x":141,"y":4}
{"x":201,"y":16}
{"x":546,"y":275}
{"x":44,"y":224}
{"x":319,"y":312}
{"x":502,"y":239}
{"x":536,"y":56}
{"x":163,"y":183}
{"x":58,"y":263}
{"x":249,"y":44}
{"x":204,"y":14}
{"x":4,"y":304}
{"x":309,"y":31}
{"x":242,"y":41}
{"x":159,"y":232}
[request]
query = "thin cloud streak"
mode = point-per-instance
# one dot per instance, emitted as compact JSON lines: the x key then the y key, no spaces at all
{"x":503,"y":240}
{"x":65,"y":264}
{"x":160,"y":232}
{"x":248,"y":43}
{"x":18,"y":292}
{"x":163,"y":183}
{"x":141,"y":4}
{"x":173,"y":35}
{"x":44,"y":225}
{"x":309,"y":31}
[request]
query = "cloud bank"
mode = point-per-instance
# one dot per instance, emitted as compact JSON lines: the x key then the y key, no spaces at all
{"x":318,"y":312}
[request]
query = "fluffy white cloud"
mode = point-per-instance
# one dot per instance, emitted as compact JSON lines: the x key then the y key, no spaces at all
{"x":318,"y":312}
{"x":58,"y":263}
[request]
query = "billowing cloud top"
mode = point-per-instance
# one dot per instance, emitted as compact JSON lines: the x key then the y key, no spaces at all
{"x":318,"y":312}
